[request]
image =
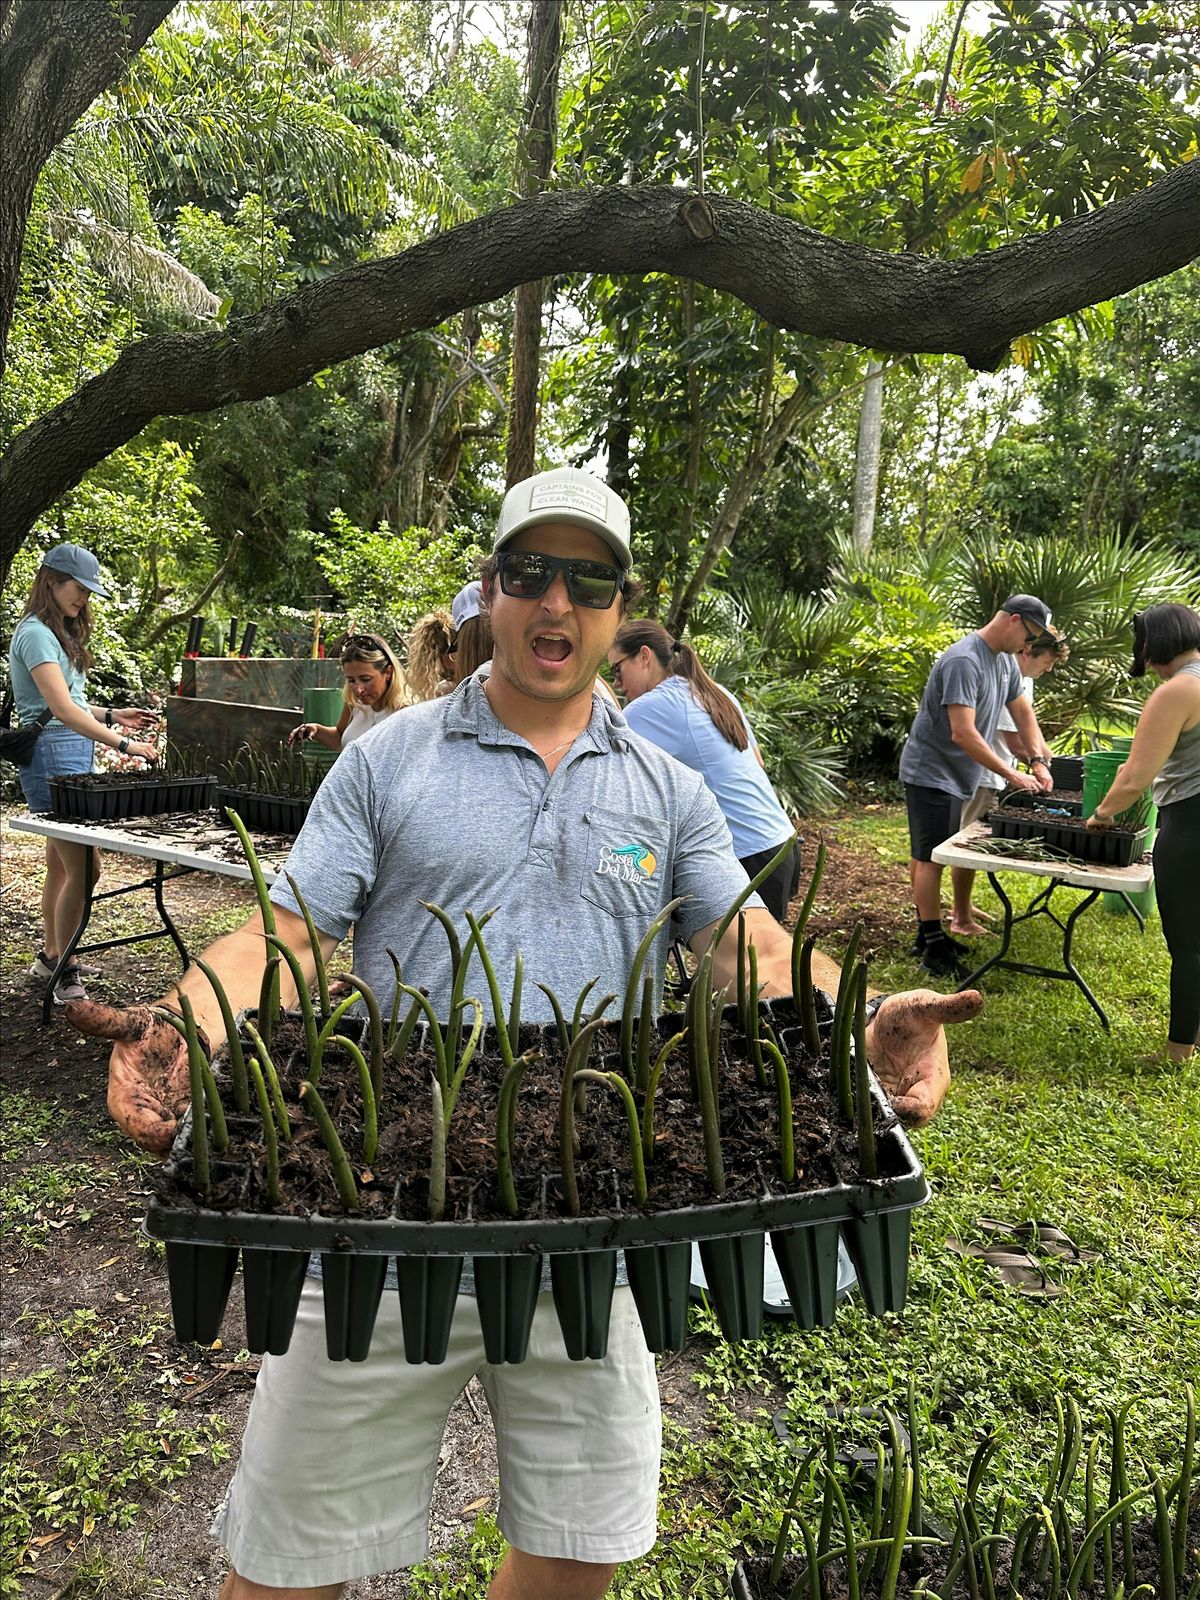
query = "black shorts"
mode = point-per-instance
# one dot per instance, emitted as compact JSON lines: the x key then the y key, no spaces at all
{"x":933,"y":815}
{"x":780,"y":888}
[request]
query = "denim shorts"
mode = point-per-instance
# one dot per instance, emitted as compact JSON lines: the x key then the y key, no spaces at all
{"x":57,"y":751}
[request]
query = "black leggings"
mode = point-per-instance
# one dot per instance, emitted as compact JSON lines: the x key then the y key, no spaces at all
{"x":1176,"y":865}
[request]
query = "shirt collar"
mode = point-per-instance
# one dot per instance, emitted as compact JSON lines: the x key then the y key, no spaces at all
{"x":468,"y":712}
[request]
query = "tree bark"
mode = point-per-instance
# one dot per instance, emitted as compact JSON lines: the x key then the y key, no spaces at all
{"x":866,"y":460}
{"x":535,"y":161}
{"x":793,"y":276}
{"x":56,"y":57}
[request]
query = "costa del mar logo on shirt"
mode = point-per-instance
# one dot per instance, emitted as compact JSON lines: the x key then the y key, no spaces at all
{"x":631,"y":863}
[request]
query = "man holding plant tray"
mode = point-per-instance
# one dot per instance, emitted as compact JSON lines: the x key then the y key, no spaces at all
{"x":522,"y":790}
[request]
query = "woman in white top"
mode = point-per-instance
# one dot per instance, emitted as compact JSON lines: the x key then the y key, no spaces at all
{"x":374,"y":688}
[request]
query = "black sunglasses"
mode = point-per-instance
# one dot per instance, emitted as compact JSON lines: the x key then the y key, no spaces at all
{"x":527,"y":574}
{"x":364,"y":641}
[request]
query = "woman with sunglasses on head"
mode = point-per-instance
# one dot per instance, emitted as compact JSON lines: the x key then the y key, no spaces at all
{"x":48,"y":660}
{"x":374,"y":688}
{"x":1166,"y":756}
{"x":672,"y":701}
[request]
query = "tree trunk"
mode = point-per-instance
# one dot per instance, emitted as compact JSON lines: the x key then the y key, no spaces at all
{"x":866,"y":464}
{"x":56,"y":57}
{"x":791,"y":275}
{"x":535,"y":160}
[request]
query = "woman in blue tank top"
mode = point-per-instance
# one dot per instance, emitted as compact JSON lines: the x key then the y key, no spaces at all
{"x":1166,"y":756}
{"x":674,"y":703}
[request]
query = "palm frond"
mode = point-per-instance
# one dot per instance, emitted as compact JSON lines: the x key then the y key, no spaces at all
{"x":136,"y":265}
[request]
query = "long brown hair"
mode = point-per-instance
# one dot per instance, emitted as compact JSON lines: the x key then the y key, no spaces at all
{"x":72,"y":633}
{"x":430,"y":639}
{"x":474,"y":646}
{"x":679,"y":660}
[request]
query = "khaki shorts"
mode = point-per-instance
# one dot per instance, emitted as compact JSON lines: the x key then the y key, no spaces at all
{"x":980,"y":803}
{"x":338,"y":1459}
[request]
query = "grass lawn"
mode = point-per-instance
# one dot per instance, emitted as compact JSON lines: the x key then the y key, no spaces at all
{"x":1049,"y":1119}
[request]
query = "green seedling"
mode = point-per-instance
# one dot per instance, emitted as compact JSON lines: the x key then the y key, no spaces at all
{"x":506,"y":1128}
{"x":304,"y":999}
{"x":269,"y":1001}
{"x":514,"y":1004}
{"x":314,"y":940}
{"x":617,"y":1085}
{"x":469,"y":1049}
{"x":806,"y":999}
{"x":374,"y":1029}
{"x":275,"y":1089}
{"x":506,"y":1033}
{"x":839,"y":1039}
{"x":577,"y":1018}
{"x":436,"y":1040}
{"x":316,"y":1065}
{"x":753,"y":1031}
{"x":645,"y":1033}
{"x":460,"y":961}
{"x":237,"y":1060}
{"x":270,"y":1134}
{"x":560,"y":1021}
{"x":212,"y":1097}
{"x":703,"y":1072}
{"x":1182,"y":1487}
{"x":576,"y":1060}
{"x":800,"y":930}
{"x":634,"y":984}
{"x":201,"y":1170}
{"x":783,"y":1096}
{"x":437,"y":1153}
{"x":863,"y":1107}
{"x":366,"y":1083}
{"x":343,"y":1175}
{"x":256,"y":872}
{"x":743,"y":1009}
{"x":656,"y":1073}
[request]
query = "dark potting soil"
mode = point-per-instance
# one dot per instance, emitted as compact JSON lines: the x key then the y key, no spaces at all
{"x":134,"y":778}
{"x":826,"y":1148}
{"x":925,"y":1569}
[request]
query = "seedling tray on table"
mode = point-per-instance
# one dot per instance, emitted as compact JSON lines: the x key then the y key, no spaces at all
{"x":204,"y":1245}
{"x":86,"y":798}
{"x":265,"y":813}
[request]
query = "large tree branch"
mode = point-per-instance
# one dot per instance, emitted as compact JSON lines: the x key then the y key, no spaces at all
{"x":56,"y":57}
{"x":791,"y":275}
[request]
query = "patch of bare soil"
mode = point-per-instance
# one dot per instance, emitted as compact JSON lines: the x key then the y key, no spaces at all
{"x":856,"y":886}
{"x":94,"y":1256}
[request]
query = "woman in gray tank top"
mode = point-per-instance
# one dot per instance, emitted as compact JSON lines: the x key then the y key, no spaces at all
{"x":1166,"y":756}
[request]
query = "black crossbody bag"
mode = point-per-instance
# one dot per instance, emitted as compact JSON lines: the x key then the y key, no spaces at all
{"x":17,"y":744}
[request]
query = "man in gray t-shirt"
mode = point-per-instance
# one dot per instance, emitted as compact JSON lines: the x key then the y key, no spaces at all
{"x":950,"y":745}
{"x":527,"y":791}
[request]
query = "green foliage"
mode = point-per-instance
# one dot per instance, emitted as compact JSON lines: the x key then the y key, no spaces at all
{"x":394,"y":578}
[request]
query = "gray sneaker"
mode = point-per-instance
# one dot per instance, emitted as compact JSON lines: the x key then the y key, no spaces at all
{"x":69,"y":987}
{"x":42,"y":967}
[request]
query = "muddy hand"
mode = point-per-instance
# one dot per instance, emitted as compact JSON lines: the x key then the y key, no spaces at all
{"x":906,"y":1043}
{"x":147,"y":1070}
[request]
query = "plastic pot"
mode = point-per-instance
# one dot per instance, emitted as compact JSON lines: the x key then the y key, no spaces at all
{"x":808,"y":1261}
{"x":352,"y":1286}
{"x":200,"y":1278}
{"x":272,"y":1283}
{"x":583,"y":1289}
{"x":658,"y":1279}
{"x":428,"y":1294}
{"x":506,"y":1292}
{"x":878,"y":1247}
{"x":734,"y":1270}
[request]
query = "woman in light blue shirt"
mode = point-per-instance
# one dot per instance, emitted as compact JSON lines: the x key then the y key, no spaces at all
{"x":673,"y":702}
{"x":48,"y":660}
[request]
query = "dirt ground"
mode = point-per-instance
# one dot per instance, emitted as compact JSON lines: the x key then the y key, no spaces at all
{"x":92,"y":1255}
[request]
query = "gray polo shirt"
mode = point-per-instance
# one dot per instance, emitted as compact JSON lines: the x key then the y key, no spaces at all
{"x":971,"y":674}
{"x":443,"y":803}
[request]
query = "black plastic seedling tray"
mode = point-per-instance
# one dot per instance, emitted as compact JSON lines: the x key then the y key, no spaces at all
{"x":72,"y":800}
{"x":872,"y":1217}
{"x":1106,"y":848}
{"x":1066,"y":772}
{"x":265,"y":813}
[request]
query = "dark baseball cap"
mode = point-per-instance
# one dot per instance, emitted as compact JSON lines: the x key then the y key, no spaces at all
{"x":73,"y":561}
{"x":1029,"y":607}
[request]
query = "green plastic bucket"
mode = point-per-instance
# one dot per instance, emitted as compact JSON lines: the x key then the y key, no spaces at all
{"x":1121,"y":743}
{"x":1100,"y":767}
{"x":323,"y":706}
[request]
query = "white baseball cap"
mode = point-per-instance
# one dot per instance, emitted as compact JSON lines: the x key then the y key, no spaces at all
{"x":466,"y":603}
{"x":565,"y":494}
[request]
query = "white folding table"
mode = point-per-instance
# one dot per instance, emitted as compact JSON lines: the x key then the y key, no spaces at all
{"x":1064,"y":874}
{"x":177,"y":844}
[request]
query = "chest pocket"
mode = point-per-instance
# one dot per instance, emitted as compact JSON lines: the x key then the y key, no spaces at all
{"x":624,"y":862}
